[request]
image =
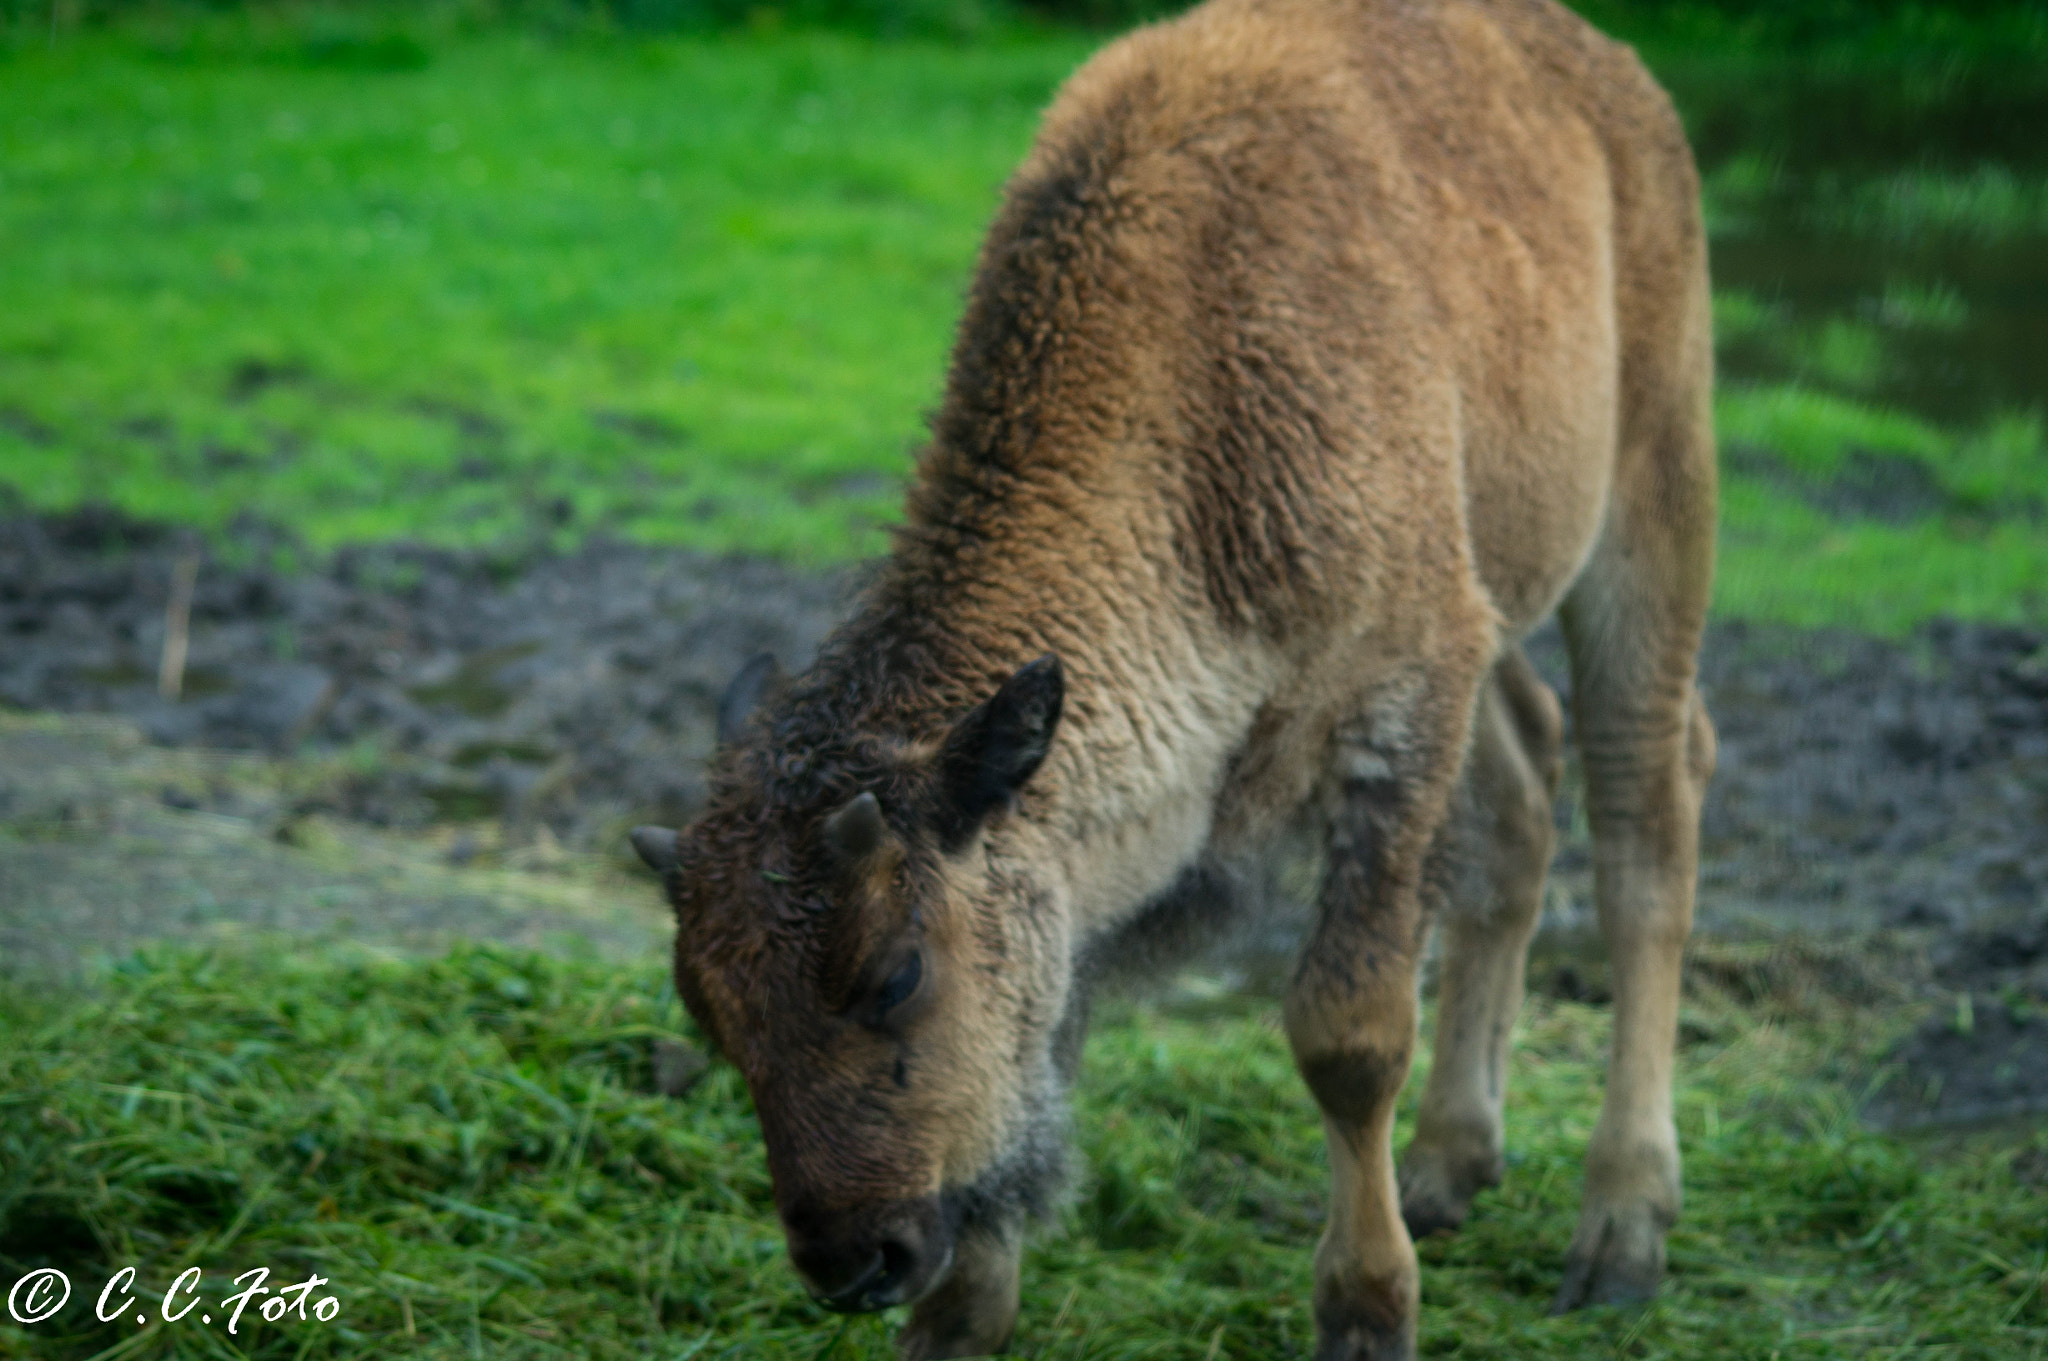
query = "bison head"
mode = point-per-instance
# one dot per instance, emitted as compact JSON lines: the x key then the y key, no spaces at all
{"x":863,"y":932}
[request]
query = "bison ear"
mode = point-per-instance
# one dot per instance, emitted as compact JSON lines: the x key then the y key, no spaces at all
{"x":759,"y":679}
{"x":657,"y":846}
{"x":990,"y":753}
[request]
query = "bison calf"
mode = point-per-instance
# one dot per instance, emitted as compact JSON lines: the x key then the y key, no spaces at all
{"x":1321,"y":349}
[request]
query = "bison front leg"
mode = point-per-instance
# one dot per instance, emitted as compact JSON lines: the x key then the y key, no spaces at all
{"x":973,"y":1310}
{"x":1351,"y":1014}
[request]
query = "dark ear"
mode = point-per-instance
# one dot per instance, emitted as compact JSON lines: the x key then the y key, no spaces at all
{"x":657,"y":846}
{"x":757,"y":680}
{"x":991,"y":753}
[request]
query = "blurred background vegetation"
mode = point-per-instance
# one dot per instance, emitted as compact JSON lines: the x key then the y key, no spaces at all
{"x":1898,"y":28}
{"x":684,"y":271}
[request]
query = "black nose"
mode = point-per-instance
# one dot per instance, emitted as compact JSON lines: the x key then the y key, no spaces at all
{"x":847,"y":1284}
{"x":858,"y":1261}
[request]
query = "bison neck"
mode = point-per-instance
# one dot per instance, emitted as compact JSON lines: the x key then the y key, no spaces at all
{"x":1160,"y":695}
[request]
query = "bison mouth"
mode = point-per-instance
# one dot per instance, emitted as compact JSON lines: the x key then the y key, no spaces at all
{"x":891,"y":1254}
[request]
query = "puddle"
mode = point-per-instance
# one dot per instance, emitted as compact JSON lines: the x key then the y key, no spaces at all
{"x":1983,"y":352}
{"x":1895,"y":237}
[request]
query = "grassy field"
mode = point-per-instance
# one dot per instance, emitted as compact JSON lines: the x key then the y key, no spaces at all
{"x":492,"y":288}
{"x":467,"y":1149}
{"x":688,"y":291}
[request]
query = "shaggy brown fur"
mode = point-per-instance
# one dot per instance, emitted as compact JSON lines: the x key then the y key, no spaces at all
{"x":1321,"y":349}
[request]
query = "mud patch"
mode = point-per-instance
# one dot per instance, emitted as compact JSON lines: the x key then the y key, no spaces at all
{"x":575,"y":693}
{"x":1862,"y":782}
{"x":1867,"y":486}
{"x":1986,"y":1060}
{"x":1981,"y":1054}
{"x":108,"y":841}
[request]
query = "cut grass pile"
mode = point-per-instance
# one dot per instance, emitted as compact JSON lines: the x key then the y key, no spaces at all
{"x":466,"y":1148}
{"x":513,"y":291}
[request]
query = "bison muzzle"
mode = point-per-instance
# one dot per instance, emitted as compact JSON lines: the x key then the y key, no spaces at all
{"x":1321,"y":350}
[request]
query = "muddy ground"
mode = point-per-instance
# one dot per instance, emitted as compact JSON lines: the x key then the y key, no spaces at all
{"x":426,"y":736}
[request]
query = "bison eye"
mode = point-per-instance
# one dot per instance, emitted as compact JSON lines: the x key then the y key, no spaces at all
{"x":900,"y":986}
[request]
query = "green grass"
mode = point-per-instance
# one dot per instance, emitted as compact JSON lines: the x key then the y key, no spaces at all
{"x":1979,"y":554}
{"x":1781,"y":560}
{"x":488,"y":287}
{"x":1811,"y":433}
{"x":690,"y":291}
{"x":464,"y":1146}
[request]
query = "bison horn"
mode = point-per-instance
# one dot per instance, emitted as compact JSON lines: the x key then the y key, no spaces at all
{"x":855,"y":832}
{"x":657,"y":846}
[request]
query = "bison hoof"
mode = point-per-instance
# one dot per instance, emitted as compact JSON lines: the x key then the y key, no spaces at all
{"x":1617,"y":1258}
{"x":1426,"y":1213}
{"x":1364,"y":1333}
{"x":1355,"y":1344}
{"x":1437,"y":1190}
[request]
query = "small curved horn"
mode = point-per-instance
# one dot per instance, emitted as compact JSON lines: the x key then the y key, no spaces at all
{"x":657,"y":846}
{"x":855,"y":832}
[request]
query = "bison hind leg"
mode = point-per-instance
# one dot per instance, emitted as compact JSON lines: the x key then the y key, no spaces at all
{"x":1486,"y":873}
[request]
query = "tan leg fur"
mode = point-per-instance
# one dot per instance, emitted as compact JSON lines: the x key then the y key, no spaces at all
{"x":1633,"y":623}
{"x":1351,"y":1010}
{"x":1488,"y":869}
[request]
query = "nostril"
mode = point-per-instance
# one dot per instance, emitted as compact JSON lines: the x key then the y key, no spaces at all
{"x":869,"y":1259}
{"x":879,"y":1285}
{"x":847,"y":1291}
{"x":897,"y":1260}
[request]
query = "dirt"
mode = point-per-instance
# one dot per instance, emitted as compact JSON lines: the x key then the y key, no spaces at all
{"x":108,"y":842}
{"x":1982,"y":1063}
{"x":575,"y":692}
{"x":478,"y":715}
{"x":1864,"y":782}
